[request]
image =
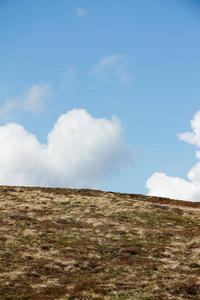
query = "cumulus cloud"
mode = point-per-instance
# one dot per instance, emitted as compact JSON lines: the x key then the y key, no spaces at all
{"x":81,"y":151}
{"x":159,"y":184}
{"x":33,"y":101}
{"x":80,"y":12}
{"x":112,"y":66}
{"x":193,"y":137}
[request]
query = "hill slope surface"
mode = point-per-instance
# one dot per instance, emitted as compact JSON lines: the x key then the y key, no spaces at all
{"x":86,"y":244}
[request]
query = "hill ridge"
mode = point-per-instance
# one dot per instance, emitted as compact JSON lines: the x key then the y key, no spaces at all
{"x":60,"y":243}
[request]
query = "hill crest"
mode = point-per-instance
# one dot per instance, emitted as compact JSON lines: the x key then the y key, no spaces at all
{"x":88,"y":244}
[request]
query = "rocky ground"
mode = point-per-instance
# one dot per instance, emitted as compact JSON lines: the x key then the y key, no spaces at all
{"x":86,"y":244}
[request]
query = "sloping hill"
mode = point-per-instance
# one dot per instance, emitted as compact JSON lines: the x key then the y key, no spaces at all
{"x":86,"y":244}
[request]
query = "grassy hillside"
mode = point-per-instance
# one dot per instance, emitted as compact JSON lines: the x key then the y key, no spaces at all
{"x":85,"y":244}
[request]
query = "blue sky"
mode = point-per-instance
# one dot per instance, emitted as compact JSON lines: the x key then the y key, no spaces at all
{"x":138,"y":60}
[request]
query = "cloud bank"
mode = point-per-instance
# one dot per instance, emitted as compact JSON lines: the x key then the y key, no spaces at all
{"x":81,"y":152}
{"x":159,"y":184}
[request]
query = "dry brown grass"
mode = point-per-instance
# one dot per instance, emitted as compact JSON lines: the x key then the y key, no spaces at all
{"x":85,"y":244}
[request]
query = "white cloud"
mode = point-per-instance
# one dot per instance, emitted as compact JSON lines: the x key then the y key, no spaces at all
{"x":81,"y":152}
{"x":81,"y":12}
{"x":160,"y":184}
{"x":33,"y":100}
{"x":112,"y":66}
{"x":192,"y":137}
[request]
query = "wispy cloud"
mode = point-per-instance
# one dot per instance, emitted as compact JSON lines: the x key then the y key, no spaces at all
{"x":112,"y":66}
{"x":7,"y":110}
{"x":33,"y":100}
{"x":81,"y":12}
{"x":68,"y":79}
{"x":35,"y":97}
{"x":159,"y":184}
{"x":82,"y":151}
